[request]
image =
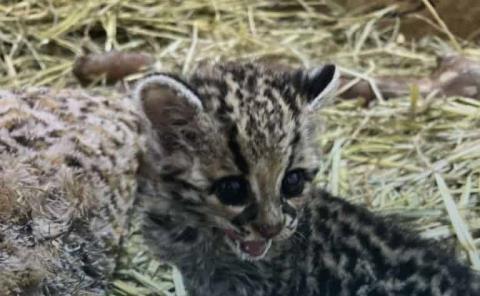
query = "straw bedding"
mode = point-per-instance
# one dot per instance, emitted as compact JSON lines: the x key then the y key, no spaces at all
{"x":412,"y":156}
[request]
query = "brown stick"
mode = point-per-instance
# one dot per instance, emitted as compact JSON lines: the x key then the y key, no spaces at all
{"x":113,"y":66}
{"x":454,"y":76}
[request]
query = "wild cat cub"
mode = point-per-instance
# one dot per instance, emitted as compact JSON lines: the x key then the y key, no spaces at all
{"x":227,"y":193}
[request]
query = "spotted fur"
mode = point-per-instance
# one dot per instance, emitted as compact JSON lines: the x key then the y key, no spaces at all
{"x":256,"y":123}
{"x":68,"y":163}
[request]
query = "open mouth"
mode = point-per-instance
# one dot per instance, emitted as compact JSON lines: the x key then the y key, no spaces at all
{"x":247,"y":249}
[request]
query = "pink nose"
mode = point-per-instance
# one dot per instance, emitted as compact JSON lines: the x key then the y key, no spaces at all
{"x":268,"y":231}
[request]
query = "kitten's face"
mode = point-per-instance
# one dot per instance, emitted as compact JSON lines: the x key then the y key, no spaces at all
{"x":234,"y":149}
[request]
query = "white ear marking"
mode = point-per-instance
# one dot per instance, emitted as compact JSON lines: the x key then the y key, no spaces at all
{"x":325,"y":96}
{"x":172,"y":83}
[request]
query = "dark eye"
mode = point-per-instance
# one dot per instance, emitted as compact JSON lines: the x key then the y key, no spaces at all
{"x":293,"y":183}
{"x":232,"y":191}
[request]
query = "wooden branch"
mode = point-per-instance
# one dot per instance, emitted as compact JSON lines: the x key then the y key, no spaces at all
{"x":113,"y":66}
{"x":454,"y":76}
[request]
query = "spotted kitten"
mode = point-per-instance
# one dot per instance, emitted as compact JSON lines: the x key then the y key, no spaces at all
{"x":227,"y":192}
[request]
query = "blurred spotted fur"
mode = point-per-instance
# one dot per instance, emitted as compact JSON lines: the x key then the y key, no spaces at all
{"x":68,"y":163}
{"x":227,"y":193}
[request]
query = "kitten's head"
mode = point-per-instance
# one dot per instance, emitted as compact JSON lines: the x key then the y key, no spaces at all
{"x":231,"y":150}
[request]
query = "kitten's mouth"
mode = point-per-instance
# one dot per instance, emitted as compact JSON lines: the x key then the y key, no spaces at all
{"x":247,"y":249}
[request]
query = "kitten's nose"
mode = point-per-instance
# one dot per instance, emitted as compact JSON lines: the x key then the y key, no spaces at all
{"x":268,"y":231}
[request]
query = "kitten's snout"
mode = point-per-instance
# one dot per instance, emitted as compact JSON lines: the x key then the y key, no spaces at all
{"x":268,"y":230}
{"x":269,"y":221}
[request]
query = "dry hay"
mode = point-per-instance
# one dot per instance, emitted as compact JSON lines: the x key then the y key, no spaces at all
{"x":418,"y":158}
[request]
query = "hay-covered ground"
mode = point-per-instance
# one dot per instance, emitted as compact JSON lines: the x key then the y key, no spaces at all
{"x":418,"y":158}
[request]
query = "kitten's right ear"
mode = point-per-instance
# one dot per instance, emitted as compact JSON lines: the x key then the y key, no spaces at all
{"x":167,"y":100}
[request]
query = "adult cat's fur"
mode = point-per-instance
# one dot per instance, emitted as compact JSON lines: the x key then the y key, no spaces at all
{"x":68,"y":162}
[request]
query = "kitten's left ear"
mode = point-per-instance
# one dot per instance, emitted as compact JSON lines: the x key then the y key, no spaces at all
{"x":321,"y":85}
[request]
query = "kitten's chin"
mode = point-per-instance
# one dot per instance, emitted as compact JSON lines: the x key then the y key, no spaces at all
{"x":248,"y":250}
